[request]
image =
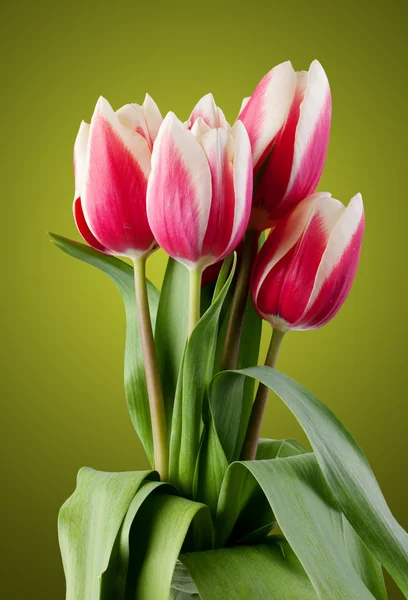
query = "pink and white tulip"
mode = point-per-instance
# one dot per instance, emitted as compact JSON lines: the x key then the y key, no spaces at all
{"x":200,"y":190}
{"x":112,"y":159}
{"x":288,"y":122}
{"x":306,"y":267}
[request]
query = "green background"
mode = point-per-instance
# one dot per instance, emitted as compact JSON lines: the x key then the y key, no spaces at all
{"x":63,"y":333}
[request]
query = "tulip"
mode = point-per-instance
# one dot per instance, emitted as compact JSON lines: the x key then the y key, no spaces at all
{"x":112,"y":159}
{"x":112,"y":162}
{"x":306,"y":267}
{"x":200,"y":190}
{"x":288,"y":122}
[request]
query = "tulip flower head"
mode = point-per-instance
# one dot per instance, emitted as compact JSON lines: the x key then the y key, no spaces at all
{"x":200,"y":189}
{"x":288,"y":122}
{"x":112,"y":159}
{"x":305,"y":269}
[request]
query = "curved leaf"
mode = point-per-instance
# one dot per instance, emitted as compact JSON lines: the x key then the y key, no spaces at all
{"x":309,"y":519}
{"x":114,"y":579}
{"x":157,"y":536}
{"x":268,"y":571}
{"x":135,"y":381}
{"x":346,"y":471}
{"x":88,"y":524}
{"x":196,"y":376}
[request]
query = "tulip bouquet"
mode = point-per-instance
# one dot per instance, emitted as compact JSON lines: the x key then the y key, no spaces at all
{"x":223,"y":514}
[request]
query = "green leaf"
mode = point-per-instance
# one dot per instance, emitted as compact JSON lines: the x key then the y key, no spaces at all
{"x":157,"y":536}
{"x":346,"y":471}
{"x":135,"y":381}
{"x":196,"y":376}
{"x":114,"y":579}
{"x":88,"y":524}
{"x":244,"y":514}
{"x":211,"y":465}
{"x":171,"y":329}
{"x":310,"y":520}
{"x":268,"y":571}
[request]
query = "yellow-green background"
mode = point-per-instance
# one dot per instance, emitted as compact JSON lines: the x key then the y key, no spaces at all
{"x":63,"y":324}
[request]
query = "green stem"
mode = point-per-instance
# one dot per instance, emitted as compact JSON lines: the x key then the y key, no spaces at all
{"x":258,"y":408}
{"x":236,"y":318}
{"x":194,"y":298}
{"x":156,"y":403}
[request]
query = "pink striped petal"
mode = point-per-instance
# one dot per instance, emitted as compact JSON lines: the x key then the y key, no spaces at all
{"x":219,"y":148}
{"x":337,"y":268}
{"x":179,"y":192}
{"x":211,"y":114}
{"x":268,"y":107}
{"x":114,"y":198}
{"x":80,"y":157}
{"x":243,"y":185}
{"x":83,"y":228}
{"x":312,"y":138}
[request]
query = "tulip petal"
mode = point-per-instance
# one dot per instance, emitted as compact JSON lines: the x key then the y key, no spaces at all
{"x":312,"y":137}
{"x":114,"y":198}
{"x":268,"y":107}
{"x":211,"y":114}
{"x":80,"y":157}
{"x":199,"y":128}
{"x":243,"y":184}
{"x":179,"y":192}
{"x":337,"y":268}
{"x":83,"y":228}
{"x":153,"y":116}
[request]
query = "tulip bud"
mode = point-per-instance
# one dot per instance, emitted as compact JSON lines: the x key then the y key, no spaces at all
{"x":306,"y":267}
{"x":288,"y":122}
{"x":112,"y":159}
{"x":200,"y":190}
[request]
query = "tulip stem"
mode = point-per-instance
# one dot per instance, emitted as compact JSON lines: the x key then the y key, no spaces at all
{"x":194,"y":300}
{"x":236,"y":318}
{"x":156,"y":402}
{"x":258,"y":408}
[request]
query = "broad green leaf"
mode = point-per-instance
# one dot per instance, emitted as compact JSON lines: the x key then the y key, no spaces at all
{"x":266,"y":571}
{"x":310,"y":520}
{"x":114,"y":579}
{"x":88,"y":524}
{"x":171,"y":328}
{"x":244,"y":513}
{"x":346,"y":471}
{"x":135,"y":381}
{"x":157,"y":536}
{"x":196,"y":375}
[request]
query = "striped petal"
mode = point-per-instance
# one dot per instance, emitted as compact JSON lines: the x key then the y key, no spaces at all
{"x":337,"y":268}
{"x":211,"y":114}
{"x":179,"y":192}
{"x":243,"y":185}
{"x":312,"y":137}
{"x":230,"y":161}
{"x":114,"y":197}
{"x":267,"y":109}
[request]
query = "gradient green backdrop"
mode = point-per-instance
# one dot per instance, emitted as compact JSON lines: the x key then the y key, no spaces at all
{"x":63,"y":333}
